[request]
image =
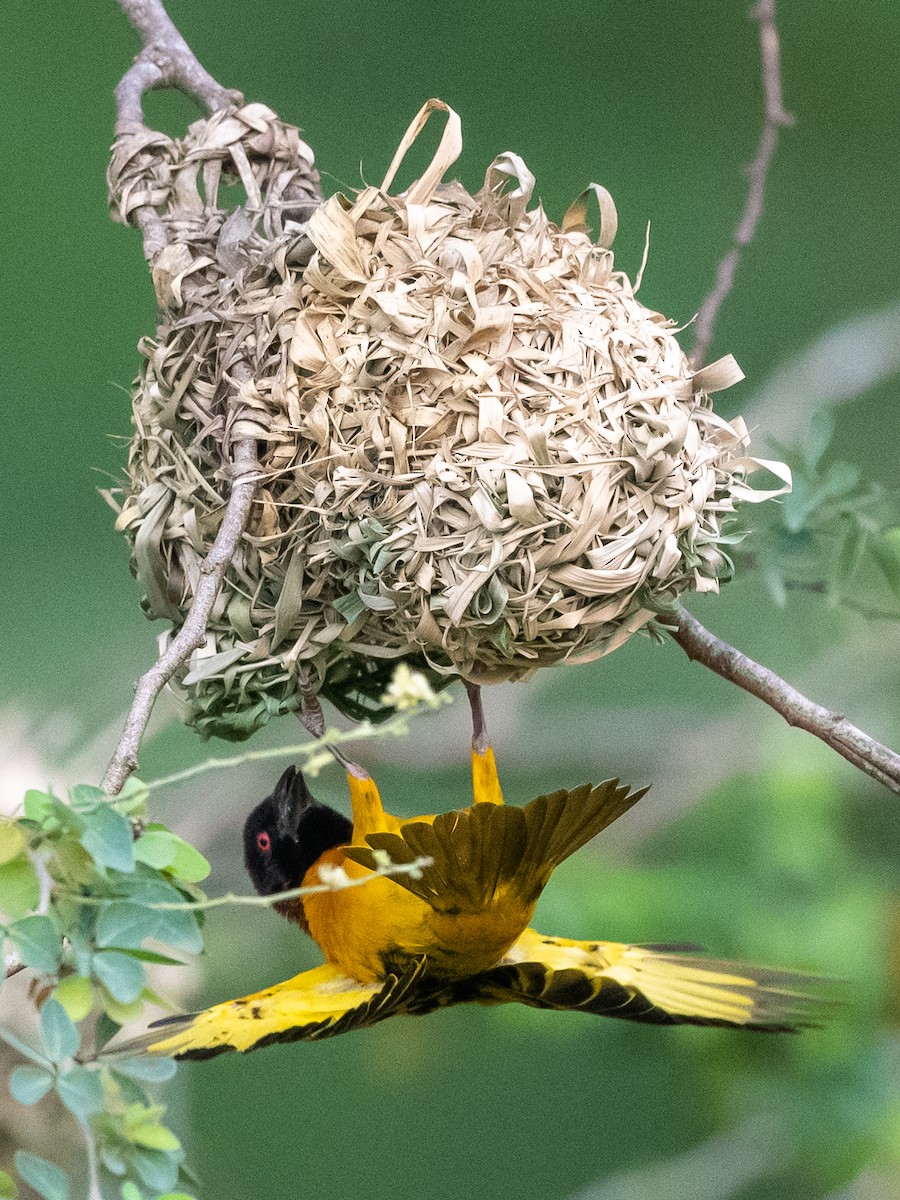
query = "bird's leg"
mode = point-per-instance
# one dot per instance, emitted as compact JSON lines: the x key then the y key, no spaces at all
{"x":479,"y":729}
{"x":312,"y":719}
{"x":311,"y":716}
{"x":485,"y":784}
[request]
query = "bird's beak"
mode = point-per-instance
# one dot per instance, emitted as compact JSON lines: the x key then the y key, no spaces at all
{"x":291,"y":797}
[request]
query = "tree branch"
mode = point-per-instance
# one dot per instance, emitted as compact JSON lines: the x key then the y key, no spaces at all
{"x":775,"y":118}
{"x":192,"y":634}
{"x":857,"y":747}
{"x":166,"y":60}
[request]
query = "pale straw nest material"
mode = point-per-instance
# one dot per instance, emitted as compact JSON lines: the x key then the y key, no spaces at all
{"x":481,"y":452}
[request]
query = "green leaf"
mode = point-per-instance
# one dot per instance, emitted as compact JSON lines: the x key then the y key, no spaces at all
{"x":131,"y":1191}
{"x":23,"y":1048}
{"x":840,"y":478}
{"x":850,"y":553}
{"x":120,"y":974}
{"x":8,"y":1189}
{"x":133,"y":797}
{"x":107,"y":837}
{"x":151,"y":956}
{"x":50,"y":813}
{"x":20,"y":888}
{"x":151,"y":1070}
{"x":176,"y":1196}
{"x":12,"y":840}
{"x":84,"y":798}
{"x":189,"y":864}
{"x":125,"y":925}
{"x":38,"y":805}
{"x":38,"y":942}
{"x":156,"y":1169}
{"x":59,"y":1035}
{"x":885,"y":550}
{"x":166,"y":851}
{"x":46,"y":1178}
{"x":76,"y":995}
{"x":114,"y":1162}
{"x":81,"y":1091}
{"x":106,"y":1030}
{"x":121,"y":1014}
{"x":177,"y":928}
{"x":70,"y":864}
{"x":153,"y":1136}
{"x":156,"y":848}
{"x":30,"y":1084}
{"x":818,"y":439}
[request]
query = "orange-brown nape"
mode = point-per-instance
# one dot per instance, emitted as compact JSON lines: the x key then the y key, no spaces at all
{"x":457,"y":928}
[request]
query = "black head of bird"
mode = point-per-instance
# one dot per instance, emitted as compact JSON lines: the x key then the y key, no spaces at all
{"x":287,"y":832}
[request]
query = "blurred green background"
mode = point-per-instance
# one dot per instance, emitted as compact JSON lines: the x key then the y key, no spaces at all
{"x":755,"y":840}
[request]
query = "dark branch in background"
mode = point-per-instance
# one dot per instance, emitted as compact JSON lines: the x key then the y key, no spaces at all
{"x":698,"y":643}
{"x":851,"y":743}
{"x":775,"y":118}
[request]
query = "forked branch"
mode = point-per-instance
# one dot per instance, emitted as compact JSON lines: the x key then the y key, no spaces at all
{"x":166,"y":60}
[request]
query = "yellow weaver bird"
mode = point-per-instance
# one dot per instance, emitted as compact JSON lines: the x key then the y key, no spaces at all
{"x":457,"y":930}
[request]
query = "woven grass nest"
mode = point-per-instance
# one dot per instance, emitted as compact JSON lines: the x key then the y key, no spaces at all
{"x":481,"y":453}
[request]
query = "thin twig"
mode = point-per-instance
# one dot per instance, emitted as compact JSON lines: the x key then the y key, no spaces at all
{"x":856,"y":746}
{"x":193,"y":632}
{"x":336,"y":880}
{"x":319,"y":752}
{"x":95,"y":1192}
{"x":775,"y":119}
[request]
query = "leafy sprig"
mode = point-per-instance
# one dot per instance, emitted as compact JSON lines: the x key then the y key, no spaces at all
{"x":90,"y":963}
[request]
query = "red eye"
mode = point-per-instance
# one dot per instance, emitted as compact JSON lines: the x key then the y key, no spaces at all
{"x":264,"y":842}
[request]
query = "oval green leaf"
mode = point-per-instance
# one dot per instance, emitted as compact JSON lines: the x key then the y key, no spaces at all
{"x":107,"y":837}
{"x":59,"y":1035}
{"x":189,"y":864}
{"x":148,"y":1070}
{"x":120,"y":974}
{"x":76,"y":995}
{"x":30,"y":1084}
{"x":12,"y":840}
{"x":20,"y":889}
{"x":156,"y":848}
{"x":37,"y":941}
{"x":81,"y":1092}
{"x":45,"y":1177}
{"x":125,"y":925}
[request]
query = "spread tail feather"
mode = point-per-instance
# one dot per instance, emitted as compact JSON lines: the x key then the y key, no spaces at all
{"x":661,"y":985}
{"x":484,"y":850}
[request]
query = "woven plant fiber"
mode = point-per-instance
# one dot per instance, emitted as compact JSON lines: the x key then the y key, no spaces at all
{"x":480,"y":452}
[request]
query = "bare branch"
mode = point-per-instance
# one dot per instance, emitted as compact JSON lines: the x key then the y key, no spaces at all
{"x":775,"y":118}
{"x":245,"y":480}
{"x":863,"y":751}
{"x":166,"y":60}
